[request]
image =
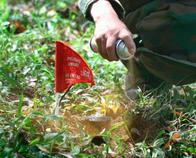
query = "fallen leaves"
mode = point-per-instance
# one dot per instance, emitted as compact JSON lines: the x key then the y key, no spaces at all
{"x":175,"y":137}
{"x":16,"y":26}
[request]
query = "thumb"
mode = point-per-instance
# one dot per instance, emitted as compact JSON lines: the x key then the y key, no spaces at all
{"x":130,"y":44}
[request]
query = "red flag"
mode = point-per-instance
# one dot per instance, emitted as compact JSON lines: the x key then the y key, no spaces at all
{"x":70,"y":68}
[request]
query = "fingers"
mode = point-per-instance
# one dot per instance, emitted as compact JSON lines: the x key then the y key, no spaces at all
{"x":106,"y":47}
{"x":101,"y":44}
{"x":103,"y":49}
{"x":130,"y":44}
{"x":110,"y":48}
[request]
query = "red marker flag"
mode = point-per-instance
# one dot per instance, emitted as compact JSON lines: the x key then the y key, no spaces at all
{"x":70,"y":68}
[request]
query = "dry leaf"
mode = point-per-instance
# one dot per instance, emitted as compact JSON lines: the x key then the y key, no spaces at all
{"x":168,"y":144}
{"x":175,"y":137}
{"x":18,"y":26}
{"x":114,"y":111}
{"x":178,"y":113}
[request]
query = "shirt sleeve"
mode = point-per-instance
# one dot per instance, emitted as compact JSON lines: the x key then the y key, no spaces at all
{"x":85,"y":6}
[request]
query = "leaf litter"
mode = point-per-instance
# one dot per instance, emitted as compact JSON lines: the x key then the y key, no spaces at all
{"x":65,"y":134}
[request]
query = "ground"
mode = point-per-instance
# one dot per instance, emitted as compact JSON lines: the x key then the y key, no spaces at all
{"x":157,"y":125}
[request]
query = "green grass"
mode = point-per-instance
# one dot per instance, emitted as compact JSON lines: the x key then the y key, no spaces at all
{"x":28,"y":127}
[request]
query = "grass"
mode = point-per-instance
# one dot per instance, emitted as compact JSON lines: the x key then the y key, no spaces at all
{"x":28,"y":127}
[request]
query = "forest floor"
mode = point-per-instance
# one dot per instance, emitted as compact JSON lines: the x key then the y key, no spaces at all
{"x":160,"y":124}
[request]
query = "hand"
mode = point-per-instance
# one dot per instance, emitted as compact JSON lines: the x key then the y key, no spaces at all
{"x":108,"y":29}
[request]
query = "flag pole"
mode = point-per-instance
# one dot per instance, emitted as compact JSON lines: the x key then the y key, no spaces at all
{"x":58,"y":100}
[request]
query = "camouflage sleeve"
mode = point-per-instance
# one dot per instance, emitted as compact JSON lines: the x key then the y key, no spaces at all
{"x":85,"y":5}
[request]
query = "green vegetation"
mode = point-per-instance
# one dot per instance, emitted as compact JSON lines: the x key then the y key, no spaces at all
{"x":28,"y":127}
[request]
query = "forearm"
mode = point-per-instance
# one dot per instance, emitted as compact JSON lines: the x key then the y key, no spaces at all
{"x":102,"y":9}
{"x":85,"y":7}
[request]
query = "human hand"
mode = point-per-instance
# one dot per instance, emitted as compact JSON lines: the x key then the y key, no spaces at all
{"x":108,"y":29}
